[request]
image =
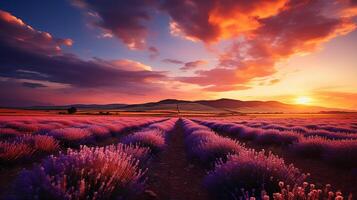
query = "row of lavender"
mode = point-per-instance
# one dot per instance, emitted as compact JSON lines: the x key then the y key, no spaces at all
{"x":24,"y":139}
{"x":314,"y":130}
{"x":332,"y":125}
{"x":304,"y":127}
{"x":111,"y":172}
{"x":236,"y":172}
{"x":342,"y":153}
{"x":89,"y":126}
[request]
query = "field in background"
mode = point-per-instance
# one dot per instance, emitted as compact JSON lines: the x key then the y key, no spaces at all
{"x":134,"y":155}
{"x":106,"y":112}
{"x":170,"y":113}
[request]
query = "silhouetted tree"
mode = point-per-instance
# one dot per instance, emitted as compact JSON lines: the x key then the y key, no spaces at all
{"x":72,"y":110}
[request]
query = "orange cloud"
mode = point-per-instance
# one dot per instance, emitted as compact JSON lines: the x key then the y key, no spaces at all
{"x":238,"y":17}
{"x":16,"y":33}
{"x":298,"y":27}
{"x":215,"y":20}
{"x":129,"y":65}
{"x":33,"y":67}
{"x":301,"y":29}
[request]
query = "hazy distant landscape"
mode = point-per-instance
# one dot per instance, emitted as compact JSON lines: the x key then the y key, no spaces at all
{"x":172,"y":106}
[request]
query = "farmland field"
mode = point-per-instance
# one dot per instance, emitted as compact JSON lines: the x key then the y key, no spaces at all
{"x":102,"y":157}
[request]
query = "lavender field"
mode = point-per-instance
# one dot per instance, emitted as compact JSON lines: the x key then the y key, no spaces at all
{"x":86,"y":157}
{"x":178,"y":100}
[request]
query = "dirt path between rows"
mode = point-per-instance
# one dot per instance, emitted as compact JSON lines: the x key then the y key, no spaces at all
{"x":171,"y":176}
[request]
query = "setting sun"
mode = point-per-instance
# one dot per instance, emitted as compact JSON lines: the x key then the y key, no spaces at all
{"x":303,"y":100}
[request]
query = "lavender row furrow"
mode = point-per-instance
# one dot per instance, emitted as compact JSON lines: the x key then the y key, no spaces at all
{"x":342,"y":153}
{"x":15,"y":147}
{"x":111,"y":172}
{"x":242,"y":173}
{"x":331,"y":125}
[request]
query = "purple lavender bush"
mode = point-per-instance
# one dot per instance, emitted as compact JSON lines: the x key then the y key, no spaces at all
{"x":271,"y":137}
{"x":249,"y":173}
{"x":205,"y":146}
{"x":90,"y":173}
{"x":311,"y":147}
{"x":151,"y":138}
{"x":164,"y":126}
{"x":154,"y":136}
{"x":99,"y":132}
{"x":23,"y":148}
{"x":11,"y":152}
{"x":41,"y":143}
{"x":73,"y":136}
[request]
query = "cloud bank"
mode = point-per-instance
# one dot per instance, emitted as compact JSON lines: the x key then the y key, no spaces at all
{"x":259,"y":35}
{"x":35,"y":59}
{"x":262,"y":33}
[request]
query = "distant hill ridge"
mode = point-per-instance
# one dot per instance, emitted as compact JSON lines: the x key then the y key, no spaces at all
{"x":218,"y":105}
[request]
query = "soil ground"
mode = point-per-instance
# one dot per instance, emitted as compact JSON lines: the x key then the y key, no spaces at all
{"x":171,"y":176}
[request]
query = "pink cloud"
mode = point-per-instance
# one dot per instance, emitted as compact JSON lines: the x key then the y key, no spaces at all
{"x":300,"y":27}
{"x":32,"y":60}
{"x":216,"y":20}
{"x":16,"y":33}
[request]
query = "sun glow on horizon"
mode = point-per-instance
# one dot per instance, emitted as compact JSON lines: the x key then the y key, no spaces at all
{"x":303,"y":100}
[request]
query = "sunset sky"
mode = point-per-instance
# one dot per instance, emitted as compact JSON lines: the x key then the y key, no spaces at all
{"x":109,"y":51}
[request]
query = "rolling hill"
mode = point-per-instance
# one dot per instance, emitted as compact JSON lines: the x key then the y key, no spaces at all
{"x":203,"y":106}
{"x":228,"y":106}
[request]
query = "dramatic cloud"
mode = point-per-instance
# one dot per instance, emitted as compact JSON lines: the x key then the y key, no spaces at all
{"x":123,"y":19}
{"x":19,"y":95}
{"x":193,"y":65}
{"x":299,"y":28}
{"x":14,"y":32}
{"x":69,"y":69}
{"x":13,"y":93}
{"x":191,"y":25}
{"x":125,"y":64}
{"x":214,"y":20}
{"x":233,"y":70}
{"x":246,"y":40}
{"x":34,"y":55}
{"x":186,"y":65}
